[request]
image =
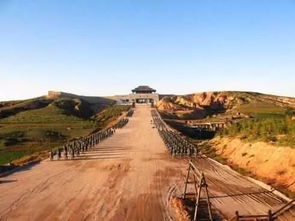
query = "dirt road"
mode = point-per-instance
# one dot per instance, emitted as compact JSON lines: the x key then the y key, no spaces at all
{"x":126,"y":177}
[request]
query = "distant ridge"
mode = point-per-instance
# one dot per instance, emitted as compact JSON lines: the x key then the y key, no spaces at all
{"x":89,"y":99}
{"x":201,"y":105}
{"x":80,"y":106}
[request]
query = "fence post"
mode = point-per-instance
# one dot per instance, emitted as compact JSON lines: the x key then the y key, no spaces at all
{"x":269,"y":215}
{"x":186,"y":180}
{"x":237,"y":216}
{"x":51,"y":154}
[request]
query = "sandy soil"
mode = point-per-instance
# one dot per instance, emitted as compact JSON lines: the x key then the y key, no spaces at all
{"x":129,"y":176}
{"x":274,"y":164}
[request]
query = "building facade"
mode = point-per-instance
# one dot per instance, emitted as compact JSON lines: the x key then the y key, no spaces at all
{"x":141,"y":94}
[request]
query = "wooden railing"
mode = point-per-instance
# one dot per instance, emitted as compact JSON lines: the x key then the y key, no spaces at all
{"x":268,"y":217}
{"x":283,"y":208}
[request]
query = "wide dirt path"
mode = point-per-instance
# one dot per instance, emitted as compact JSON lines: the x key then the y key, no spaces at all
{"x":129,"y":176}
{"x":126,"y":177}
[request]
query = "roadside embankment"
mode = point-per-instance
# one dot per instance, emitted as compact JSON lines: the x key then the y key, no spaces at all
{"x":275,"y":165}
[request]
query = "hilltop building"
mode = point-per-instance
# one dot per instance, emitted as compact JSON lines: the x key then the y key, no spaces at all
{"x":140,"y":94}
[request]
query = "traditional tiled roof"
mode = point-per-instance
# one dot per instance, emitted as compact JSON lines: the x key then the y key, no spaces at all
{"x":143,"y":88}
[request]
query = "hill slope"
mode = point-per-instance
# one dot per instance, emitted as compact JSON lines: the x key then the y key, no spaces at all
{"x":34,"y":125}
{"x":260,"y":139}
{"x":201,"y":105}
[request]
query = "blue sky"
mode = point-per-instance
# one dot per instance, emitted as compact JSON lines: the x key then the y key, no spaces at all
{"x":106,"y":47}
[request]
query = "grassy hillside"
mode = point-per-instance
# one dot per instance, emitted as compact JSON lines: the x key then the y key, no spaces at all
{"x":275,"y":127}
{"x":108,"y":115}
{"x":10,"y":108}
{"x":32,"y":129}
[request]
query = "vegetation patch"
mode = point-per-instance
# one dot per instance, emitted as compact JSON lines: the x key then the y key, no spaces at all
{"x":110,"y":114}
{"x":281,"y":172}
{"x":26,"y":134}
{"x":277,"y":128}
{"x":8,"y":156}
{"x":244,"y":154}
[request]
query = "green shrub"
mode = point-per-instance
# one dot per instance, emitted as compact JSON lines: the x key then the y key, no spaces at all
{"x":110,"y":113}
{"x":269,"y":127}
{"x":8,"y":156}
